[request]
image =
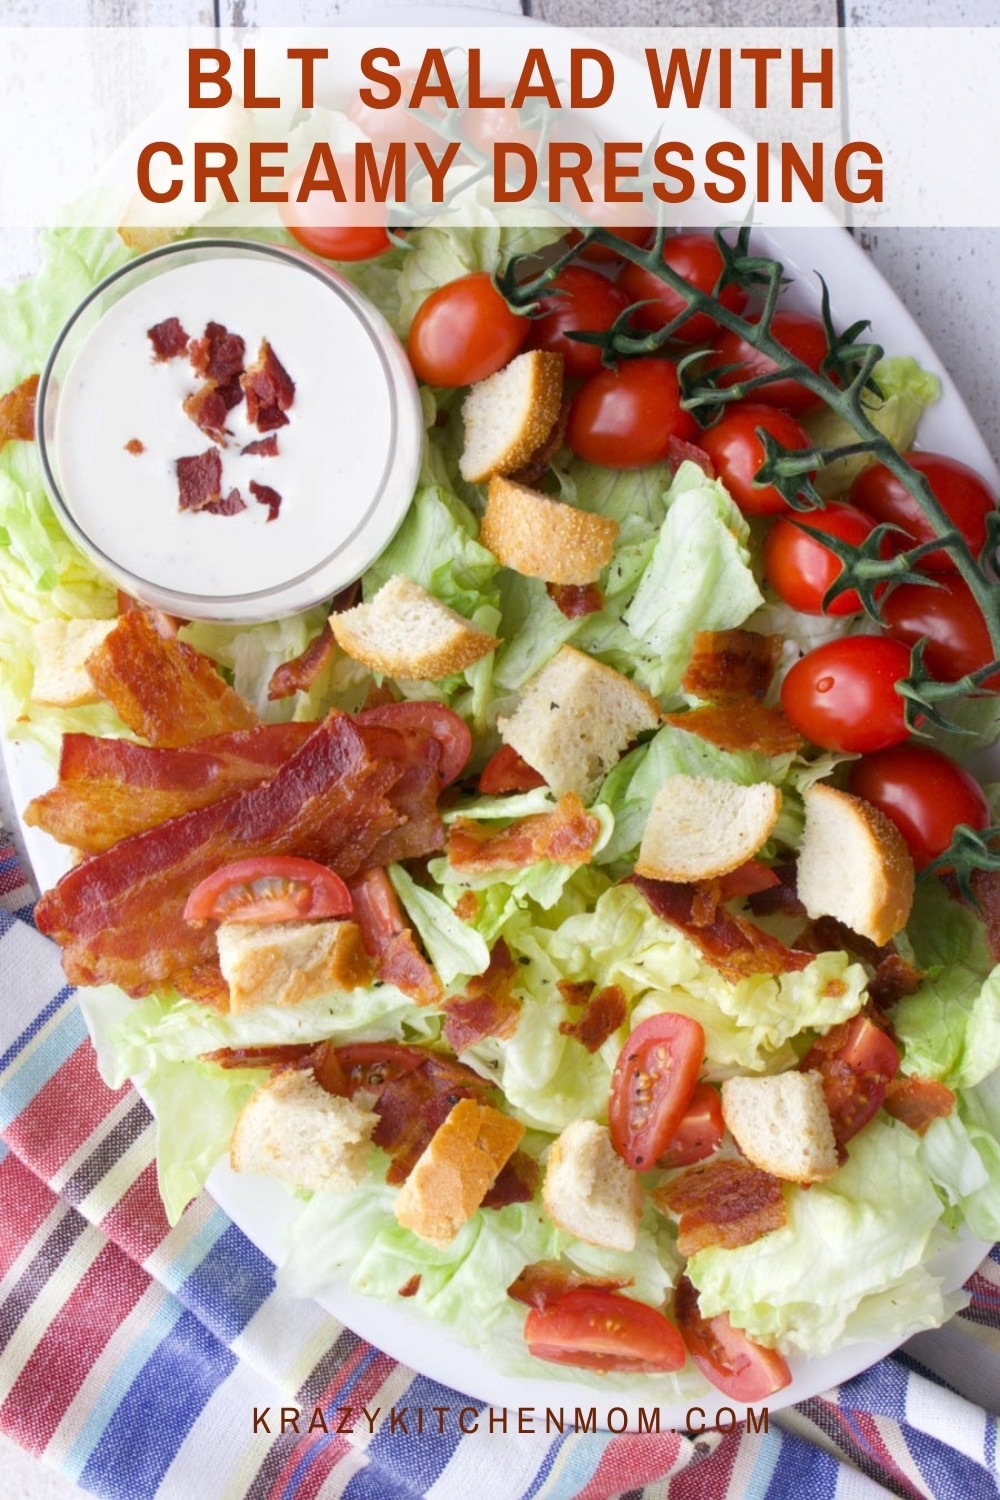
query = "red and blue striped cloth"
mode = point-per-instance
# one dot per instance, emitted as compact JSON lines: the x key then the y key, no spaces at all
{"x":133,"y":1357}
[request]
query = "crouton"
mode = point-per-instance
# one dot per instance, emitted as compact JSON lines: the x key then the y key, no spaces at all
{"x":543,"y":538}
{"x":589,"y":1191}
{"x":510,"y":414}
{"x":699,"y":828}
{"x":782,"y":1125}
{"x":456,"y":1171}
{"x":286,"y":963}
{"x":405,"y":632}
{"x":62,"y":646}
{"x":575,"y":718}
{"x":854,"y":865}
{"x":293,"y":1129}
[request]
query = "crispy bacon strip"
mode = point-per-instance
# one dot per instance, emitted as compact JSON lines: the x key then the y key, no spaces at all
{"x":723,"y":1202}
{"x":517,"y":1182}
{"x":543,"y":1283}
{"x":575,"y":600}
{"x":162,"y":689}
{"x":918,"y":1102}
{"x":744,"y":725}
{"x":118,"y":916}
{"x":729,"y":665}
{"x":732,"y":945}
{"x":299,"y":674}
{"x":389,"y":941}
{"x":602,"y":1017}
{"x":168,"y":339}
{"x":566,"y":835}
{"x":487,"y":1008}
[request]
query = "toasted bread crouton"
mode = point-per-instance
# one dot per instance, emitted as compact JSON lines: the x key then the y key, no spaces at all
{"x":456,"y":1171}
{"x":589,"y":1191}
{"x":146,"y":237}
{"x":575,"y":718}
{"x":286,"y":963}
{"x":854,"y":865}
{"x":510,"y":414}
{"x":61,"y":676}
{"x":782,"y":1125}
{"x":543,"y":538}
{"x":699,"y":828}
{"x":405,"y":632}
{"x":293,"y":1129}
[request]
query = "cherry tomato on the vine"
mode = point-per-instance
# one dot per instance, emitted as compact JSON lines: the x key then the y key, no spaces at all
{"x":738,"y":453}
{"x":652,"y":1086}
{"x":600,"y":1330}
{"x":800,"y":568}
{"x":802,"y":335}
{"x":626,"y":418}
{"x":397,"y":122}
{"x":269,"y":888}
{"x":735,"y":1365}
{"x":697,"y":259}
{"x":926,"y":794}
{"x":337,"y":231}
{"x":465,"y":331}
{"x":842,"y":695}
{"x":946,"y":613}
{"x":634,"y":234}
{"x":962,"y":493}
{"x":578,"y":301}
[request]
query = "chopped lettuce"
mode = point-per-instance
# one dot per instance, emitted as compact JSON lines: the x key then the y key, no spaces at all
{"x":905,"y":390}
{"x":453,"y":947}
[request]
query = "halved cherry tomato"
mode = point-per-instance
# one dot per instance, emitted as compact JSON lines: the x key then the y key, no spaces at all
{"x":946,"y":612}
{"x":926,"y":794}
{"x":600,"y":1330}
{"x":735,"y":1365}
{"x":652,"y":1086}
{"x":507,"y":772}
{"x":337,"y":231}
{"x":962,"y":493}
{"x":799,"y":333}
{"x":700,"y":1131}
{"x":464,"y":332}
{"x":800,"y":568}
{"x":628,"y":417}
{"x":270,"y":888}
{"x":371,"y":1065}
{"x":842,"y":695}
{"x":697,"y":259}
{"x":856,"y":1061}
{"x":418,"y":720}
{"x":738,"y":453}
{"x":578,"y":301}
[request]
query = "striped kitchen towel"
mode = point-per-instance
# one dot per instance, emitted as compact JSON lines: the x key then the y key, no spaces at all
{"x":146,"y":1361}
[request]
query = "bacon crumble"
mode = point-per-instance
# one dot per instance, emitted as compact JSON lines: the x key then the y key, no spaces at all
{"x":168,"y":339}
{"x":17,"y":412}
{"x":269,"y":390}
{"x":724,"y":1202}
{"x":261,"y":447}
{"x":574,"y":600}
{"x":265,"y":495}
{"x":199,"y":480}
{"x":135,"y":445}
{"x":602,"y":1016}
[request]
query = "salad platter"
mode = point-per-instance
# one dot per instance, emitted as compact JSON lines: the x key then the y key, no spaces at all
{"x":922,"y":1205}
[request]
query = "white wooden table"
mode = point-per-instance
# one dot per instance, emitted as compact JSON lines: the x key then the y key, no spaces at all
{"x":949,"y":278}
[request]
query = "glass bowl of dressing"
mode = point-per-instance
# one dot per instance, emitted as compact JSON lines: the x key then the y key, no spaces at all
{"x":268,"y":508}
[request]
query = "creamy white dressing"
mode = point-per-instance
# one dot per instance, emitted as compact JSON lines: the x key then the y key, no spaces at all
{"x":332,"y":455}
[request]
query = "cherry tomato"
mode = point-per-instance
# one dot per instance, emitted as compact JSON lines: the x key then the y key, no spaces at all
{"x":397,"y":122}
{"x":482,"y":128}
{"x":635,"y":234}
{"x":735,"y":1365}
{"x":947,"y":614}
{"x":855,"y":1060}
{"x":798,"y":566}
{"x":627,"y":418}
{"x":371,"y":1065}
{"x":737,"y":453}
{"x":427,"y":720}
{"x":580,"y":301}
{"x":925,"y":793}
{"x":652,"y":1087}
{"x":598,"y":1330}
{"x":802,"y":335}
{"x":464,"y":332}
{"x":507,"y":772}
{"x":700,"y":1131}
{"x":963,"y":494}
{"x":842,"y":695}
{"x":270,"y":888}
{"x":337,"y":231}
{"x":697,"y":259}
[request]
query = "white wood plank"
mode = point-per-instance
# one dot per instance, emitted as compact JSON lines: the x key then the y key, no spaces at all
{"x":922,"y":13}
{"x":699,"y":13}
{"x":321,"y":12}
{"x":107,"y":13}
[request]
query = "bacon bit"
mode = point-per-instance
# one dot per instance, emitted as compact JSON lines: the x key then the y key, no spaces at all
{"x":780,"y":899}
{"x":729,"y":665}
{"x":575,"y":992}
{"x":986,"y":895}
{"x":162,"y":689}
{"x":389,"y":942}
{"x":487,"y":1008}
{"x":746,"y":725}
{"x":537,"y":466}
{"x":17,"y":413}
{"x":229,"y":505}
{"x":218,"y":355}
{"x":299,"y":674}
{"x":546,"y":1281}
{"x":575,"y":600}
{"x":894,"y":978}
{"x":467,"y":906}
{"x":724,"y":1202}
{"x":269,"y":390}
{"x":208,"y":411}
{"x":135,"y":445}
{"x":280,"y":1055}
{"x":262,"y":447}
{"x":412,"y":1105}
{"x":410,"y":1288}
{"x":566,"y":835}
{"x":601,"y":1019}
{"x":199,"y":480}
{"x":678,"y":452}
{"x":918,"y":1102}
{"x":516,"y":1183}
{"x":265,"y":495}
{"x":732,"y":945}
{"x":168,"y":339}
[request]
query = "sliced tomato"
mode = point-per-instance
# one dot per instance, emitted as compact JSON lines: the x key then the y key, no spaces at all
{"x":700,"y":1131}
{"x":418,"y":720}
{"x":652,"y":1086}
{"x":271,"y":888}
{"x":856,"y":1062}
{"x":507,"y":772}
{"x":600,"y":1330}
{"x":371,"y":1065}
{"x":735,"y":1365}
{"x":747,"y":879}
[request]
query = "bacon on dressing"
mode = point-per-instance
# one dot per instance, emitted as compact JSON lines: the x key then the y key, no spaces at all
{"x":169,"y":340}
